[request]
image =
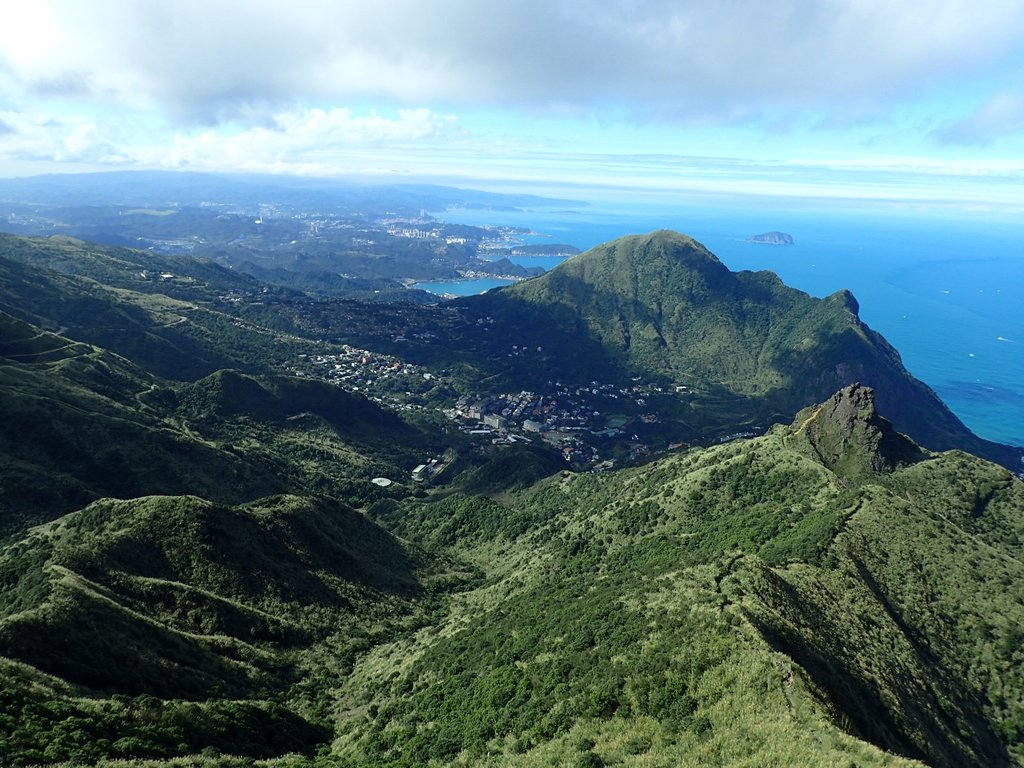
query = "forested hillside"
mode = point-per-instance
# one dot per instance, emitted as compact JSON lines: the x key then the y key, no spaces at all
{"x":208,"y":559}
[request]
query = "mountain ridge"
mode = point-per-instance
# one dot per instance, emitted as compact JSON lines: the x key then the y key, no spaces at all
{"x":761,"y":544}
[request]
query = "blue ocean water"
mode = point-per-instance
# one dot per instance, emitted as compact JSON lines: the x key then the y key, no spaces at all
{"x":947,"y":290}
{"x":463,"y":287}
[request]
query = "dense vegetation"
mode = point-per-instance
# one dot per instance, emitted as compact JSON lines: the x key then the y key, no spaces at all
{"x":181,"y":327}
{"x":193,"y":618}
{"x":744,"y":604}
{"x":197,"y":571}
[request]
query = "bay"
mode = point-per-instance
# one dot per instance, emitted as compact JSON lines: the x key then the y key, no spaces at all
{"x":469,"y":287}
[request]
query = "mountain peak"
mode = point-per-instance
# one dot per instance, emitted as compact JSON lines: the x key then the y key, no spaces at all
{"x":847,"y":300}
{"x":675,"y":245}
{"x":635,"y":272}
{"x":746,"y":347}
{"x":642,"y":248}
{"x":849,"y":436}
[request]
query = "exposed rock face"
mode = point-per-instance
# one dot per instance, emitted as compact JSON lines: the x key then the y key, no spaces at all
{"x":772,"y":238}
{"x":850,"y":437}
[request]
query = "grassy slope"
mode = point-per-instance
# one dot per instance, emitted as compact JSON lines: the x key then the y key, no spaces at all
{"x":122,"y":267}
{"x":739,"y":605}
{"x":78,"y":422}
{"x":75,"y":425}
{"x":175,"y":328}
{"x":751,"y":350}
{"x":754,"y":603}
{"x":749,"y":604}
{"x":150,"y":604}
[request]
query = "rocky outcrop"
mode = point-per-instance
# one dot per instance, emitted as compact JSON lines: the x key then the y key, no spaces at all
{"x":848,"y":435}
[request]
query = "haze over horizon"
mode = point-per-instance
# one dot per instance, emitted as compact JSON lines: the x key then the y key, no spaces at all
{"x":911,"y":103}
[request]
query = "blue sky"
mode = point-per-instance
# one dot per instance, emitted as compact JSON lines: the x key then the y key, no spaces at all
{"x":911,"y":102}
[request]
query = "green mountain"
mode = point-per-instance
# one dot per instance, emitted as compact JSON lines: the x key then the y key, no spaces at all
{"x":748,"y":349}
{"x":743,"y":349}
{"x":167,"y":625}
{"x":197,"y":571}
{"x":177,"y":317}
{"x":828,"y":593}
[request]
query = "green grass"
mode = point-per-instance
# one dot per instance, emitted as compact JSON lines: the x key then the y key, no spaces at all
{"x":78,"y":423}
{"x":191,"y":625}
{"x":751,"y":349}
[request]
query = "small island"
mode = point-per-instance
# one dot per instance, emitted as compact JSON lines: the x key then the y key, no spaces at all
{"x":771,"y":238}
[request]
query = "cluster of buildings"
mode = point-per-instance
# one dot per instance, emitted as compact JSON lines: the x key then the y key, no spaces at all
{"x":414,"y":232}
{"x":583,"y":422}
{"x":383,"y":378}
{"x":567,"y":419}
{"x":593,"y":424}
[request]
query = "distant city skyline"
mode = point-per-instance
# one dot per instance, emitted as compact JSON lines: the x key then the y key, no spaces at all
{"x":912,"y":103}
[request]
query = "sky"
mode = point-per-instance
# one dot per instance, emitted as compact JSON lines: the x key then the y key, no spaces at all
{"x":904,"y":101}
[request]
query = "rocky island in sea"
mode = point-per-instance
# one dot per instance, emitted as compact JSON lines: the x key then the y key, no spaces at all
{"x":771,"y":238}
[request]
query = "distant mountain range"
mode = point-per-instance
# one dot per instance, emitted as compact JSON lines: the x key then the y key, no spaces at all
{"x":324,"y":237}
{"x":162,"y":188}
{"x":196,"y":567}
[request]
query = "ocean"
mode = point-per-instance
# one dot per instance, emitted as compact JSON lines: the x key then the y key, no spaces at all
{"x":946,"y":289}
{"x":469,"y":287}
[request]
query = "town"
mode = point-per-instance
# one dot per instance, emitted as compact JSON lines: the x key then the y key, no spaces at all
{"x":595,"y":427}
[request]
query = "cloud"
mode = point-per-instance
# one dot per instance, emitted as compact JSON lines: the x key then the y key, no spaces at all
{"x":305,"y":140}
{"x":705,"y":60}
{"x":1001,"y":115}
{"x":325,"y":87}
{"x":54,"y":138}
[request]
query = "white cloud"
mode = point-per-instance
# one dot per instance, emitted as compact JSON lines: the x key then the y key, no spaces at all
{"x":705,"y":59}
{"x":52,"y":137}
{"x":83,"y":139}
{"x":326,"y":87}
{"x":308,"y":140}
